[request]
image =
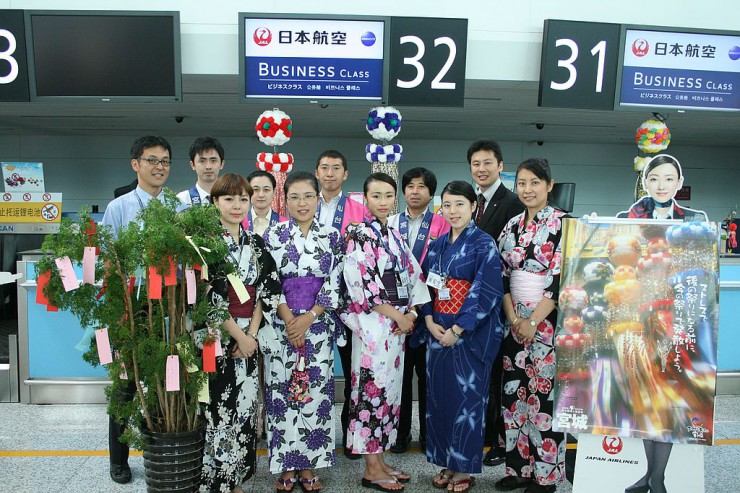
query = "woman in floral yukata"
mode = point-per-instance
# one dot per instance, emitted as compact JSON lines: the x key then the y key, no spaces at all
{"x":230,"y":449}
{"x":300,"y":411}
{"x":383,"y":287}
{"x":530,"y":250}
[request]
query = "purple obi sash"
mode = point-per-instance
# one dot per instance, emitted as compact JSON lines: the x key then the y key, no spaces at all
{"x":391,"y":289}
{"x":300,"y":292}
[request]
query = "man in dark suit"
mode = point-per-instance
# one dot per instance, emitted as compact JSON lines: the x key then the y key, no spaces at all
{"x":496,"y":206}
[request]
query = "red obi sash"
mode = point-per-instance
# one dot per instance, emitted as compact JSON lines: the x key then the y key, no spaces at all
{"x":241,"y":310}
{"x":459,"y":290}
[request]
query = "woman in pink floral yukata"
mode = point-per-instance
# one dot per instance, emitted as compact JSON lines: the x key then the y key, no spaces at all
{"x":530,"y":251}
{"x":383,"y":287}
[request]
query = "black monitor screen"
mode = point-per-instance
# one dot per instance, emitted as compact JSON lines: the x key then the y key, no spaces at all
{"x":105,"y":55}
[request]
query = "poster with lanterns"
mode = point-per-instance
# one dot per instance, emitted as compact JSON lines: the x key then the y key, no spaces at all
{"x":637,"y":329}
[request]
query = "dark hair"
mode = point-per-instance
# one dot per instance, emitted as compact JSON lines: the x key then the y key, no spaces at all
{"x":539,"y":166}
{"x":258,"y":173}
{"x":427,"y":176}
{"x":661,"y":159}
{"x":230,"y":184}
{"x":463,"y":188}
{"x":203,"y":144}
{"x":334,"y":155}
{"x":379,"y":177}
{"x":296,"y":176}
{"x":485,"y":145}
{"x":147,"y":141}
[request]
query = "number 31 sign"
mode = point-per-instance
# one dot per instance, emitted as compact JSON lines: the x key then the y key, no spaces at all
{"x":579,"y":64}
{"x":427,"y":61}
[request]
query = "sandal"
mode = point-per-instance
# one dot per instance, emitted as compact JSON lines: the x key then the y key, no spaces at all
{"x":441,"y":480}
{"x":468,"y":482}
{"x":303,"y":482}
{"x":510,"y":483}
{"x":377,"y":484}
{"x":286,"y":483}
{"x":397,"y":473}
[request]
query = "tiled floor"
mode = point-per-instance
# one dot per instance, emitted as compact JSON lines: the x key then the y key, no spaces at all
{"x":62,"y":448}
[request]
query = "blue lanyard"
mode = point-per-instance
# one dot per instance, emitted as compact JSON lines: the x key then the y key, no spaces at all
{"x":396,"y":263}
{"x":274,"y":219}
{"x":458,"y":245}
{"x":194,"y":196}
{"x":421,"y":237}
{"x":336,"y":221}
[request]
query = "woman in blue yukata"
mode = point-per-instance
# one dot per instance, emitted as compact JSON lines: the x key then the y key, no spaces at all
{"x":530,"y":250}
{"x":299,"y":346}
{"x":463,"y":335}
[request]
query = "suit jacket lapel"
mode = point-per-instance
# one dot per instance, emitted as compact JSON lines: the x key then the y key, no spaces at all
{"x":493,"y":204}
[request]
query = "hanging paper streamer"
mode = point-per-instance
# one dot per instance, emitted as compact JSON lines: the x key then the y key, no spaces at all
{"x":104,"y":352}
{"x":173,"y":373}
{"x":190,"y":285}
{"x":204,"y":267}
{"x":204,"y":395}
{"x":84,"y":343}
{"x":67,"y":273}
{"x":155,"y":284}
{"x":41,"y":281}
{"x":209,"y":357}
{"x":170,"y":279}
{"x":88,"y":265}
{"x":239,"y":288}
{"x":218,"y":350}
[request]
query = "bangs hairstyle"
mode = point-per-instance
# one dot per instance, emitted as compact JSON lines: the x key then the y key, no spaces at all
{"x":297,"y":176}
{"x":538,"y":166}
{"x":462,"y":188}
{"x":379,"y":177}
{"x":230,"y":184}
{"x":430,"y":181}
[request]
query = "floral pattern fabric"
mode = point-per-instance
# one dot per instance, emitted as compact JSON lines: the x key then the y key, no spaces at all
{"x":533,"y":449}
{"x":458,"y":377}
{"x":377,"y":353}
{"x":230,"y":448}
{"x":301,"y":436}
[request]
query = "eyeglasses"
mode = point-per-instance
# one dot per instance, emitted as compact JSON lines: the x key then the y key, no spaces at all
{"x":155,"y":162}
{"x":297,"y":198}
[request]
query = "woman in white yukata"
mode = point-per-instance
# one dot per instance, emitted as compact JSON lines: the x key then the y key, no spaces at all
{"x":299,"y":347}
{"x":383,"y":287}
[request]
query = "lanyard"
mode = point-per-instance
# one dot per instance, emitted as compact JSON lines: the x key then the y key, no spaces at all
{"x":396,"y":265}
{"x":194,"y":196}
{"x":336,"y":221}
{"x":421,"y":237}
{"x":274,"y":219}
{"x":457,"y":246}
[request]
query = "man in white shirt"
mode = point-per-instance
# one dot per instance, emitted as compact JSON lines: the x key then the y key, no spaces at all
{"x":207,"y":160}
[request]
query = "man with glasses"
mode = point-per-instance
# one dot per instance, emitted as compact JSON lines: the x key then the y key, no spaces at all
{"x":150,"y":159}
{"x":338,"y":210}
{"x":206,"y":159}
{"x":261,"y":214}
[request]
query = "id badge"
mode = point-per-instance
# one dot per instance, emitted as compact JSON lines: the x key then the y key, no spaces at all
{"x":404,"y":278}
{"x":444,"y":294}
{"x":435,"y":281}
{"x":403,"y":291}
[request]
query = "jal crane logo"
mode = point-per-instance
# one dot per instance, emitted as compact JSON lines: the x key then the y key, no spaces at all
{"x":612,"y":445}
{"x":640,"y":47}
{"x":262,"y":36}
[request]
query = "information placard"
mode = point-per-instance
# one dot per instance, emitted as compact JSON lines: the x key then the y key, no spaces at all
{"x":312,"y":58}
{"x":681,"y":70}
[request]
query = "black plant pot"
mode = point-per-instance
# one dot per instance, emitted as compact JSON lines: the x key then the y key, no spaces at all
{"x":173,"y":461}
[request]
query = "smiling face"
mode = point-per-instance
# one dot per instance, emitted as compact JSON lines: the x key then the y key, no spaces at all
{"x":380,"y":197}
{"x":662,"y":182}
{"x":457,"y":210}
{"x":485,"y":168}
{"x":233,"y":208}
{"x":302,"y":202}
{"x":152,"y":178}
{"x":532,"y":190}
{"x":417,"y":194}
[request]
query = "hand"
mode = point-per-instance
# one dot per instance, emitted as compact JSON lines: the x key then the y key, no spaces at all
{"x":245,"y":347}
{"x":297,"y":327}
{"x":449,"y":339}
{"x":400,"y":328}
{"x":404,"y":324}
{"x":436,"y":330}
{"x":525,"y":331}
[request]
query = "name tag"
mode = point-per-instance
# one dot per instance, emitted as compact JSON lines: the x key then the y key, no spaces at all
{"x":403,"y":291}
{"x":435,"y":281}
{"x":404,"y":278}
{"x":444,"y":294}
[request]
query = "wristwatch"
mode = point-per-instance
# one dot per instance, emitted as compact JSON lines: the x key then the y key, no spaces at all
{"x":532,"y":323}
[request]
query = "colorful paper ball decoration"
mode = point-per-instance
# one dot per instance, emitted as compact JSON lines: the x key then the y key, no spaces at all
{"x":274,"y":127}
{"x":383,"y":122}
{"x":653,"y":136}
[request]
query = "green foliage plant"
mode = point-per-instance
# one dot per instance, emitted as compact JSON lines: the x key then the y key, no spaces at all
{"x":144,"y":332}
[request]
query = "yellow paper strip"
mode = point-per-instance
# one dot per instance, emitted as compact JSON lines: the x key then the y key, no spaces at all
{"x":239,"y":288}
{"x":204,"y":266}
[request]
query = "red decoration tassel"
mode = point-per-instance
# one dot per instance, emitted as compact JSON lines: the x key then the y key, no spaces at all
{"x":155,"y":284}
{"x":170,"y":279}
{"x":209,"y":357}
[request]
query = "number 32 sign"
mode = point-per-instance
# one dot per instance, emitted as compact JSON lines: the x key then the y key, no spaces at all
{"x":579,"y":64}
{"x":427,"y":61}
